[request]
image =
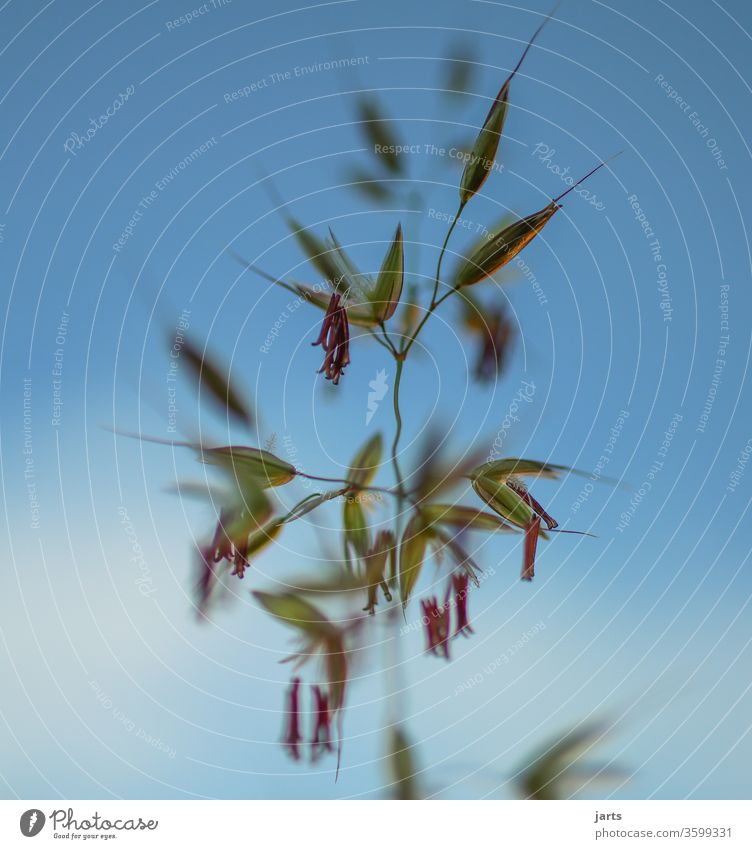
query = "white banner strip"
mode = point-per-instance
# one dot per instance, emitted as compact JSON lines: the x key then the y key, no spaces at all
{"x":379,"y":824}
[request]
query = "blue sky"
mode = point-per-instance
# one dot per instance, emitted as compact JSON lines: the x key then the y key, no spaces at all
{"x":112,"y":230}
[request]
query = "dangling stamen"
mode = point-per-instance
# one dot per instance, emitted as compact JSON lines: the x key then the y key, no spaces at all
{"x":292,"y":736}
{"x":437,"y":623}
{"x":321,"y":740}
{"x":531,"y":544}
{"x":335,"y":340}
{"x":460,"y":587}
{"x":522,"y":491}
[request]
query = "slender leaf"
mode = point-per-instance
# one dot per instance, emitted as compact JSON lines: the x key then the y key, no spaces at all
{"x":460,"y":69}
{"x":388,"y":290}
{"x":463,"y":518}
{"x":318,"y":252}
{"x":335,"y":659}
{"x":375,"y":562}
{"x":415,"y":539}
{"x":410,"y":312}
{"x":378,"y":132}
{"x":239,"y":460}
{"x":356,"y":527}
{"x":402,"y":766}
{"x":327,"y":583}
{"x":365,"y":464}
{"x":502,"y":247}
{"x":247,"y":516}
{"x":295,"y":611}
{"x":356,"y":284}
{"x":212,"y":377}
{"x":460,"y":556}
{"x":358,"y":314}
{"x":311,"y":502}
{"x":504,"y":501}
{"x":370,"y":185}
{"x":558,"y":770}
{"x":263,"y":537}
{"x":486,"y":145}
{"x":482,"y":156}
{"x":500,"y":470}
{"x":437,"y":472}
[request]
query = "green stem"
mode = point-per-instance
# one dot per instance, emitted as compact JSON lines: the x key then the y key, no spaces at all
{"x":387,"y":339}
{"x":441,"y":255}
{"x":434,"y":301}
{"x":400,"y":361}
{"x":382,"y":342}
{"x":350,"y":485}
{"x":400,"y":356}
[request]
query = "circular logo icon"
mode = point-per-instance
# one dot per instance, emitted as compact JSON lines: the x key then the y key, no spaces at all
{"x":32,"y":822}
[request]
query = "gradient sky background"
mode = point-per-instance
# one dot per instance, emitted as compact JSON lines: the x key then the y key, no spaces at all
{"x":108,"y":691}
